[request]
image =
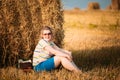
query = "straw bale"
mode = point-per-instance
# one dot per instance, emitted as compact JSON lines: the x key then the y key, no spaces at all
{"x":20,"y":24}
{"x":52,"y":15}
{"x":115,"y":4}
{"x":93,"y":6}
{"x":109,"y":7}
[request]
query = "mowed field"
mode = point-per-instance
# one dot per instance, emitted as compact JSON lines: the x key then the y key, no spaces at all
{"x":91,"y":29}
{"x":94,"y":39}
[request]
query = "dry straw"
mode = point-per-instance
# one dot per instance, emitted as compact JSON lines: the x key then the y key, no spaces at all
{"x":52,"y":15}
{"x":115,"y":4}
{"x":93,"y":6}
{"x":20,"y":25}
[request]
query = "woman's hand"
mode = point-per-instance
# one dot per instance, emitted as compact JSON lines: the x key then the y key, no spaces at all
{"x":69,"y":53}
{"x":69,"y":57}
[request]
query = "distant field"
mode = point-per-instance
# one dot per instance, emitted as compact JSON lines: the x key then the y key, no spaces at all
{"x":99,"y":19}
{"x":89,"y":29}
{"x":94,"y":39}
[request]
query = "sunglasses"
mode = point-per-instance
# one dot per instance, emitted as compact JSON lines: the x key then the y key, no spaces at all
{"x":47,"y":33}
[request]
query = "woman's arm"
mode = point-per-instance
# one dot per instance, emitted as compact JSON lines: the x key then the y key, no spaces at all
{"x":64,"y":51}
{"x":58,"y":52}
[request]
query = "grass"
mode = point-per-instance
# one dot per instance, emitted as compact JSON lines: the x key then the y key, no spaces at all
{"x":95,"y":47}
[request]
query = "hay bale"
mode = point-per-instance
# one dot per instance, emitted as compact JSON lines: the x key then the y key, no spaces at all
{"x":93,"y":6}
{"x":52,"y":15}
{"x":76,"y":9}
{"x":20,"y":24}
{"x":115,"y":4}
{"x":109,"y":7}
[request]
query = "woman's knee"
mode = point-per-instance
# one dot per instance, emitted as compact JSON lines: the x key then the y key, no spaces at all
{"x":59,"y":59}
{"x":56,"y":61}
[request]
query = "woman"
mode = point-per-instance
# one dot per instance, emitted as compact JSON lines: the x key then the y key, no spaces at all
{"x":47,"y":56}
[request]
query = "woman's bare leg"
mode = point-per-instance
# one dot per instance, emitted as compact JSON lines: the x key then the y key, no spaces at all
{"x":66,"y":63}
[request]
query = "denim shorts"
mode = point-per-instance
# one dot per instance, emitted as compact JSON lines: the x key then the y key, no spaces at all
{"x":47,"y":65}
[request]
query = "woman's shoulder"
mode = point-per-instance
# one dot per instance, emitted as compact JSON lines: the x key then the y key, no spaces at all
{"x":45,"y":41}
{"x":42,"y":41}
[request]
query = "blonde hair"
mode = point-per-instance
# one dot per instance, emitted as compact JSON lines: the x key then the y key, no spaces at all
{"x":46,"y":28}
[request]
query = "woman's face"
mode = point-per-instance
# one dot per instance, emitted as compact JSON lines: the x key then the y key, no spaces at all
{"x":47,"y":35}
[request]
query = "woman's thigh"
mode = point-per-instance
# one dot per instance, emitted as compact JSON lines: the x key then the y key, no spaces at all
{"x":45,"y":65}
{"x":57,"y":61}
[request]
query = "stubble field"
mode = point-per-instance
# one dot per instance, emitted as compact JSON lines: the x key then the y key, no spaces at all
{"x":94,"y":39}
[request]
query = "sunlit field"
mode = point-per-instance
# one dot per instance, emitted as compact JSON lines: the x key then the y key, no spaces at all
{"x":94,"y":39}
